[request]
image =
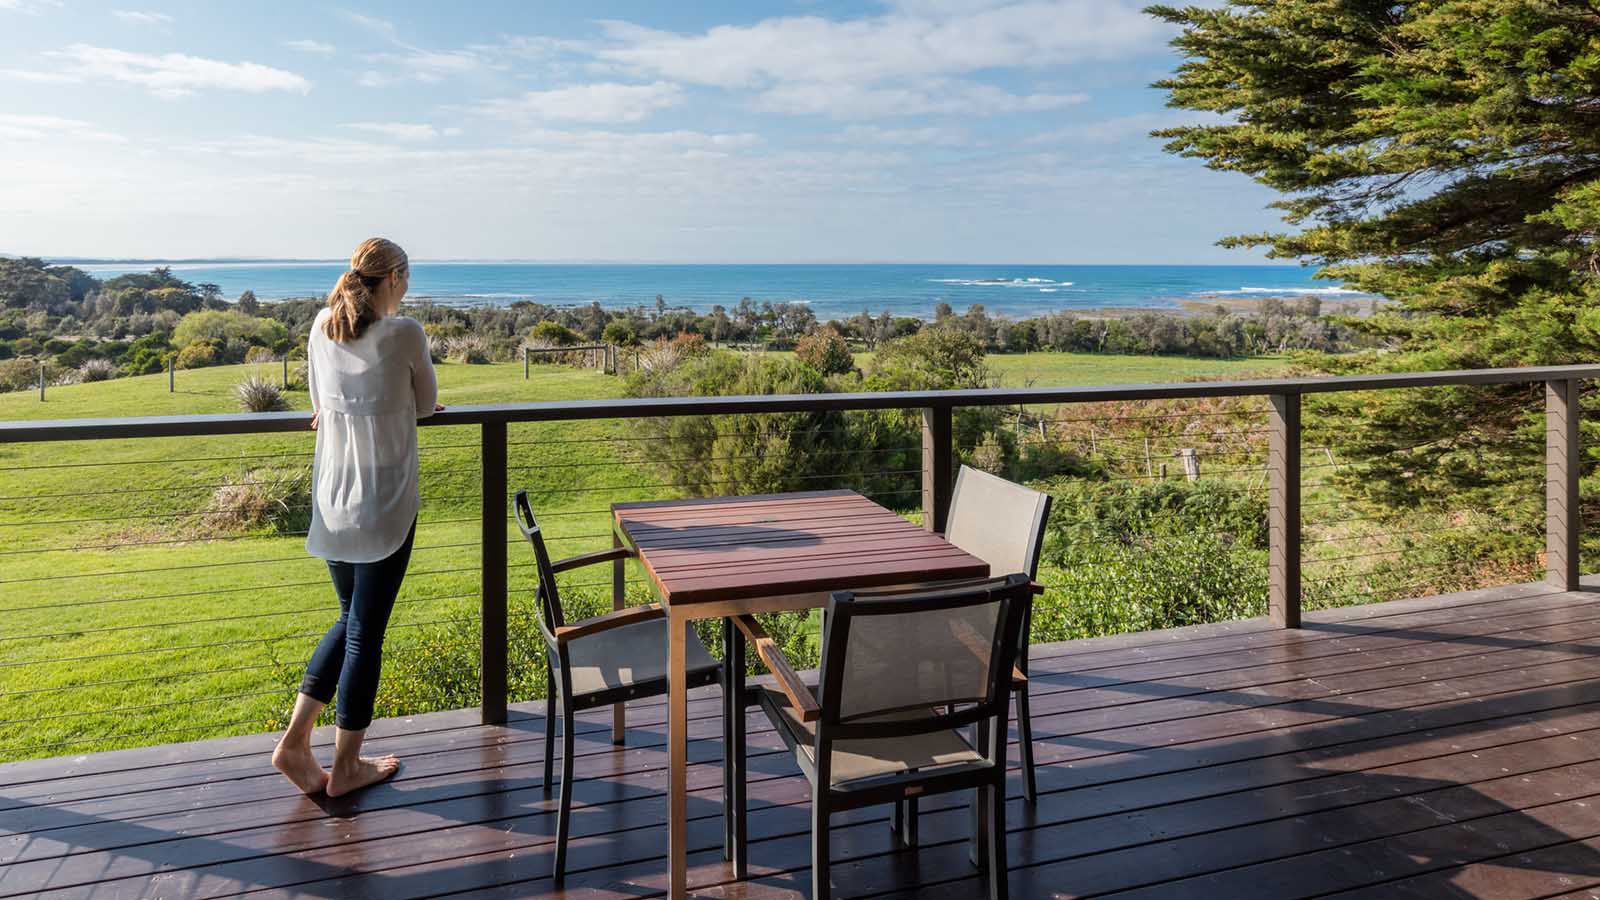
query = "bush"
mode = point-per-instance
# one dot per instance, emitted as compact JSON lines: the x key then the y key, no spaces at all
{"x":620,"y":333}
{"x":1140,"y":557}
{"x":147,"y":355}
{"x":260,"y":395}
{"x":472,"y":348}
{"x":826,"y":351}
{"x":197,"y":355}
{"x":279,"y":499}
{"x":553,"y":334}
{"x":227,"y":326}
{"x":97,"y":370}
{"x":260,"y":355}
{"x":23,"y":374}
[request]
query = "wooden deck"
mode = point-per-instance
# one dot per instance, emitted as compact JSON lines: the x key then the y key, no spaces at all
{"x":1441,"y":747}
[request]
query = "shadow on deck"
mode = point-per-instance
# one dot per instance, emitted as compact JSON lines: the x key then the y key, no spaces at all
{"x":1444,"y":747}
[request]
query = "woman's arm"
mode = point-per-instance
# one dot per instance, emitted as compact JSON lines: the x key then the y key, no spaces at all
{"x":311,"y":388}
{"x":423,"y":381}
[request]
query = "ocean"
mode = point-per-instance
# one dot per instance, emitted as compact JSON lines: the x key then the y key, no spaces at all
{"x":833,"y":291}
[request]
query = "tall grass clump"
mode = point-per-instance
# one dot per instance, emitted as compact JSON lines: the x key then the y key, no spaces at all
{"x":257,"y":394}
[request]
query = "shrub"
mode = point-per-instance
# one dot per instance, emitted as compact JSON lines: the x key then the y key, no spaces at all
{"x":826,"y":351}
{"x":147,"y":355}
{"x":276,"y":498}
{"x":689,"y":344}
{"x":197,"y":355}
{"x":620,"y":333}
{"x":471,"y":348}
{"x":260,"y":395}
{"x":227,"y":326}
{"x":553,"y":334}
{"x":23,"y":374}
{"x":260,"y":355}
{"x":97,"y":370}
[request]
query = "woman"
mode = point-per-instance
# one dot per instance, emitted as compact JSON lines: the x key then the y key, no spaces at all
{"x":370,"y":379}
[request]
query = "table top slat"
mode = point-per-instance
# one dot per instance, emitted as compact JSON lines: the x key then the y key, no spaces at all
{"x":734,"y":548}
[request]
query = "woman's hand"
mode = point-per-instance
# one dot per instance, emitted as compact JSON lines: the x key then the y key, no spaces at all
{"x":316,"y":416}
{"x":437,"y":407}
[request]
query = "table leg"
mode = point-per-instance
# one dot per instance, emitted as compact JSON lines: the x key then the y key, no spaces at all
{"x":677,"y":754}
{"x":619,"y":599}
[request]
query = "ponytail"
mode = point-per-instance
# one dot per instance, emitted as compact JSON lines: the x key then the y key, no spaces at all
{"x":352,"y":303}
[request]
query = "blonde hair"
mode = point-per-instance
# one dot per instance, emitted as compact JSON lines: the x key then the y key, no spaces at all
{"x":352,"y":301}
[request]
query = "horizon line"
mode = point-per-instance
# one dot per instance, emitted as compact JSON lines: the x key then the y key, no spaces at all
{"x":62,"y":259}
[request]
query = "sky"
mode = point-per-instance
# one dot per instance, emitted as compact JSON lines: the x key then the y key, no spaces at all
{"x":719,"y":131}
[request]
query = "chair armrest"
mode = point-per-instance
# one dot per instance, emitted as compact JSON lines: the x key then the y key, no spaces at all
{"x":589,"y":559}
{"x":1018,"y":680}
{"x":633,"y":615}
{"x":800,"y":696}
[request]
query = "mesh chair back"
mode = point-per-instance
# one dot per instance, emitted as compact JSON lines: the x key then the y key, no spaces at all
{"x":899,"y":662}
{"x":998,"y":521}
{"x":549,"y":599}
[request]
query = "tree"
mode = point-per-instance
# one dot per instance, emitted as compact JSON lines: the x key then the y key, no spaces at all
{"x":826,"y":351}
{"x":248,"y":304}
{"x":1443,"y":153}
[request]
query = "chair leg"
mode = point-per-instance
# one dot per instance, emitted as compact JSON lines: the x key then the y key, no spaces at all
{"x":821,"y":886}
{"x":1030,"y":788}
{"x":905,"y":821}
{"x":996,"y":814}
{"x":549,"y":727}
{"x":980,"y":821}
{"x":564,"y":810}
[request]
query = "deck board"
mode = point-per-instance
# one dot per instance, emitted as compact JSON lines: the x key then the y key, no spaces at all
{"x":1436,"y":747}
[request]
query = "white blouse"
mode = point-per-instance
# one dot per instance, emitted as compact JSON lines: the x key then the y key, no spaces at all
{"x":369,"y":393}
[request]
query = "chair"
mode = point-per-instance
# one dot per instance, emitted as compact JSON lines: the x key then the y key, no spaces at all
{"x":607,"y":659}
{"x":1002,"y":523}
{"x":902,"y":678}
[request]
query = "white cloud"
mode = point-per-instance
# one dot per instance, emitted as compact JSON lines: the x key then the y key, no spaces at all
{"x":917,"y":40}
{"x":142,"y":17}
{"x":602,"y":102}
{"x":29,"y":127}
{"x":931,"y":136}
{"x":400,"y":131}
{"x":937,"y":97}
{"x":307,"y":45}
{"x":38,"y":77}
{"x":176,"y":74}
{"x":1121,"y":128}
{"x":31,"y":7}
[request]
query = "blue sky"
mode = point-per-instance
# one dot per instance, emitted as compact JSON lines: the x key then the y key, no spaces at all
{"x":772,"y":131}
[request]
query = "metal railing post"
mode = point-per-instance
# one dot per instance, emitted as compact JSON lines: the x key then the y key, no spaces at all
{"x":493,"y":584}
{"x":524,"y":363}
{"x":41,"y":380}
{"x":1562,"y":469}
{"x":172,"y":384}
{"x":938,"y":471}
{"x":1283,"y":511}
{"x":619,"y":600}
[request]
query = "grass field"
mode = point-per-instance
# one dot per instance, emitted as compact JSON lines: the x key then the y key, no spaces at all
{"x":133,"y":617}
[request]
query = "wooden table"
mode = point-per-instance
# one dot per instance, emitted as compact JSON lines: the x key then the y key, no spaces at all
{"x":728,"y":556}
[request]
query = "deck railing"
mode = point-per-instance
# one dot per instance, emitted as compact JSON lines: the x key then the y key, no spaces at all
{"x":1282,"y":465}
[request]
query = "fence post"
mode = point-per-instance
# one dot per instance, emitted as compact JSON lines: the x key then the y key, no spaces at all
{"x":41,"y":381}
{"x":286,"y":371}
{"x":524,"y":362}
{"x":493,"y":583}
{"x":937,"y":470}
{"x":1283,"y":512}
{"x":172,"y":384}
{"x":1563,"y":461}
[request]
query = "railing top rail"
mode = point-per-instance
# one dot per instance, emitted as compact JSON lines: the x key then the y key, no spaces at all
{"x":569,"y":410}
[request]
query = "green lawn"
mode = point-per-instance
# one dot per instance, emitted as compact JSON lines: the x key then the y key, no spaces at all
{"x":132,"y":617}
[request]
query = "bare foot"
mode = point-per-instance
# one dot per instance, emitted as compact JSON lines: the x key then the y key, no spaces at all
{"x":300,"y":766}
{"x":367,"y":771}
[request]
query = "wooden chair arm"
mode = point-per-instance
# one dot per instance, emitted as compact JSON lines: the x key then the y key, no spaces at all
{"x":1018,"y":680}
{"x":800,"y":696}
{"x":589,"y":559}
{"x":633,"y":615}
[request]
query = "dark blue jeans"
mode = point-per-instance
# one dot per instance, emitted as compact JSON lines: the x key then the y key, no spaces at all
{"x":349,"y":657}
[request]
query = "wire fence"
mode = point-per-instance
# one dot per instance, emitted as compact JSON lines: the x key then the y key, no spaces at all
{"x":158,"y":589}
